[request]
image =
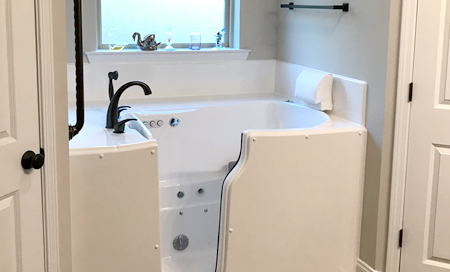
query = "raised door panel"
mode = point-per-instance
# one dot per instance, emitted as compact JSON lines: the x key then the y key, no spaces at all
{"x":9,"y":146}
{"x":8,"y":142}
{"x":440,"y":212}
{"x":8,"y":235}
{"x":5,"y":96}
{"x":443,"y":70}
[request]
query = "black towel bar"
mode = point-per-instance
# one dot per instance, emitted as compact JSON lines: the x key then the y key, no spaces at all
{"x":291,"y":6}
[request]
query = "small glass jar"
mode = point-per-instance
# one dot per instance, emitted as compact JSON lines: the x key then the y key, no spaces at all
{"x":195,"y":40}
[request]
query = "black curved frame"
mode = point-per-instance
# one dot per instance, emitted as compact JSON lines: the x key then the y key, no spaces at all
{"x":74,"y":130}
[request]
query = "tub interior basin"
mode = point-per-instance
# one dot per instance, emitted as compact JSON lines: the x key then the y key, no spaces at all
{"x":208,"y":137}
{"x":258,"y":115}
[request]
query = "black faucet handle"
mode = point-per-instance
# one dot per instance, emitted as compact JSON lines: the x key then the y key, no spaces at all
{"x":122,"y":108}
{"x":120,"y":126}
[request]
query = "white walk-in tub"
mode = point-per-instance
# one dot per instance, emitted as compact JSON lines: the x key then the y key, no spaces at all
{"x":290,"y":203}
{"x":198,"y":145}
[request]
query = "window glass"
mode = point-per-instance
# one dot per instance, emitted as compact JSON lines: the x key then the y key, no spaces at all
{"x":121,"y":18}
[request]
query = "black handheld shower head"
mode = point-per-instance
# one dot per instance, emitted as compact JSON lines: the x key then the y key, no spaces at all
{"x":112,"y":75}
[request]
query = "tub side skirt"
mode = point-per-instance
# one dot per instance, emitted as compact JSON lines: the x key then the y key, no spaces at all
{"x":293,"y":202}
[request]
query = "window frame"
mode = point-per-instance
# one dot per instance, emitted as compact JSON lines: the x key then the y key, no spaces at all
{"x":226,"y":41}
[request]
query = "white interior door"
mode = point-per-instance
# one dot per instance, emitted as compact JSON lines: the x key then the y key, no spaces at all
{"x":21,"y":231}
{"x":426,"y":246}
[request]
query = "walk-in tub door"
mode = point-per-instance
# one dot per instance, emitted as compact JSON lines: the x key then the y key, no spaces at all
{"x":115,"y":208}
{"x":293,"y":202}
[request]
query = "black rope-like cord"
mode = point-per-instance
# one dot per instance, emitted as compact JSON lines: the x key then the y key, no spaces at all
{"x":74,"y":130}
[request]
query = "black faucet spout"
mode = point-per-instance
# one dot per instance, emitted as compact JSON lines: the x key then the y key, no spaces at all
{"x":112,"y":117}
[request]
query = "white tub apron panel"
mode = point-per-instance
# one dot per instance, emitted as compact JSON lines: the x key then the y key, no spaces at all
{"x":115,"y":208}
{"x":292,"y":203}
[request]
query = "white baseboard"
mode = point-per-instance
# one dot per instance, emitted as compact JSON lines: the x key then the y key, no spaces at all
{"x":363,"y":267}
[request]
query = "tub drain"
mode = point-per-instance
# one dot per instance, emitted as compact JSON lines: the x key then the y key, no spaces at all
{"x":180,"y":242}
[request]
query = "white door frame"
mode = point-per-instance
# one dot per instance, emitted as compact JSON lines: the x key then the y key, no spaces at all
{"x":45,"y":35}
{"x":401,"y":138}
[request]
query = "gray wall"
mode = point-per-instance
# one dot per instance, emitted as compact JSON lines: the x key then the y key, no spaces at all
{"x":361,"y":44}
{"x":258,"y":28}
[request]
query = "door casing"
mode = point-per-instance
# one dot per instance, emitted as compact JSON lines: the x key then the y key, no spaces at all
{"x":53,"y":105}
{"x":401,"y":138}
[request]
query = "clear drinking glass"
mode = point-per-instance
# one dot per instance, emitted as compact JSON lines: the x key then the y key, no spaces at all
{"x":195,"y":40}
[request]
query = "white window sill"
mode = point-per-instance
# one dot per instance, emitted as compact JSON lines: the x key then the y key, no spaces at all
{"x":163,"y":56}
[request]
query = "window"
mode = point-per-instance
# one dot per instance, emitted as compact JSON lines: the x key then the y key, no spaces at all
{"x":119,"y":19}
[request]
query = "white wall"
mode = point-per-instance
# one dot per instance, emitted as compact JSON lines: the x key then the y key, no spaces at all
{"x":355,"y":44}
{"x":178,"y":79}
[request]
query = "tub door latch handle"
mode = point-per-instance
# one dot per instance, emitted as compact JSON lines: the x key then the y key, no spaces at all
{"x":120,"y":126}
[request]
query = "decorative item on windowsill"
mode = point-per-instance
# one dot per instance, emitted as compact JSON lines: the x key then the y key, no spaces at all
{"x":169,"y":37}
{"x":112,"y":35}
{"x":148,"y":44}
{"x":195,"y":40}
{"x":219,"y":38}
